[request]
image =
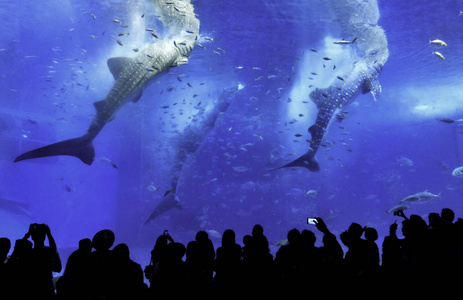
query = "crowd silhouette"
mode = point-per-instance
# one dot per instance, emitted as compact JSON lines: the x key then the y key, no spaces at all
{"x":429,"y":256}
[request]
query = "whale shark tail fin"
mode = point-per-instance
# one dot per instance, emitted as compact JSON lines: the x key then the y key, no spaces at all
{"x":169,"y":202}
{"x":307,"y":160}
{"x":81,"y":147}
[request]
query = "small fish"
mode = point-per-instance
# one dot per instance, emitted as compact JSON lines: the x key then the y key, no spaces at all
{"x":256,"y":68}
{"x":120,"y":43}
{"x":135,"y":49}
{"x":397,"y":208}
{"x":438,"y":55}
{"x":447,"y":120}
{"x":149,"y":29}
{"x":189,"y":84}
{"x":313,"y":73}
{"x":438,"y":42}
{"x":239,"y":67}
{"x":168,"y":192}
{"x":340,"y":78}
{"x":154,"y":34}
{"x":458,"y":172}
{"x":68,"y":188}
{"x":298,"y":135}
{"x":116,"y":21}
{"x":312,"y":193}
{"x":208,"y":38}
{"x":344,"y":42}
{"x":326,"y":58}
{"x":313,"y":50}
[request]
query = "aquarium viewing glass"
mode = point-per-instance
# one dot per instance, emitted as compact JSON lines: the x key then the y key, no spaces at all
{"x":212,"y":115}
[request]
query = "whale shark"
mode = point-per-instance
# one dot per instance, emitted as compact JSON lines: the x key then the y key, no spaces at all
{"x":132,"y":76}
{"x":359,"y":19}
{"x":361,"y":80}
{"x":186,"y":145}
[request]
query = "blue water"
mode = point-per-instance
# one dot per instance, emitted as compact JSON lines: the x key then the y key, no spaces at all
{"x":53,"y":67}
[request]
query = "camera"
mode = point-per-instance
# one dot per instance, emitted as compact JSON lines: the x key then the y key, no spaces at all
{"x":312,"y":221}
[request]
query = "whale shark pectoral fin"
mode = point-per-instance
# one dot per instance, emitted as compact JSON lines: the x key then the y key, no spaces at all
{"x":182,"y":60}
{"x":137,"y":97}
{"x":117,"y":64}
{"x":372,"y":86}
{"x":99,"y":105}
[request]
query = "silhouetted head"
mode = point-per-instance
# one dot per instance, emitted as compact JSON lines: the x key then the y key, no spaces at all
{"x":228,"y":238}
{"x":247,"y":240}
{"x":294,"y":236}
{"x":371,"y":234}
{"x":38,"y":233}
{"x":447,"y":215}
{"x":177,"y":250}
{"x":22,"y":248}
{"x":308,"y":237}
{"x":85,"y":245}
{"x":121,"y":252}
{"x":434,"y":219}
{"x":355,"y":230}
{"x":103,"y":240}
{"x":257,"y":230}
{"x":202,"y":236}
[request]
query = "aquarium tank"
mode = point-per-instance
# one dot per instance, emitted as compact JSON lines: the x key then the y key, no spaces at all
{"x":141,"y":116}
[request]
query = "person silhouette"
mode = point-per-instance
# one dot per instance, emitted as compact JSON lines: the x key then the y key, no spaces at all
{"x":43,"y":261}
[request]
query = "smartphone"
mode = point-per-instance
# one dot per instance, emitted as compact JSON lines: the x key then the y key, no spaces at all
{"x":166,"y":232}
{"x":312,"y":221}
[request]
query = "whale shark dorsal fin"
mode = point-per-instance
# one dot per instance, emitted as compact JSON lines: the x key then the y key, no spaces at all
{"x":372,"y":86}
{"x":117,"y":64}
